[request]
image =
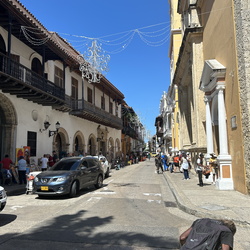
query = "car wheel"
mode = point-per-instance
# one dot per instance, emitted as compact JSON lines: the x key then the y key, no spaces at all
{"x":107,"y":173}
{"x":73,"y":190}
{"x":99,"y":182}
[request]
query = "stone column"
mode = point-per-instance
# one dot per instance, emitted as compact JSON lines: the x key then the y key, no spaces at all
{"x":209,"y":131}
{"x":225,"y":181}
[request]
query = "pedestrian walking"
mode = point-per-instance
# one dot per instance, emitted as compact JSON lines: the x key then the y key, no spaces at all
{"x":164,"y":159}
{"x":55,"y":157}
{"x":214,"y":167}
{"x":185,"y":166}
{"x":44,"y":161}
{"x":6,"y":169}
{"x":199,"y":168}
{"x":171,"y":163}
{"x":176,"y":162}
{"x":149,"y":156}
{"x":22,"y":165}
{"x":158,"y":163}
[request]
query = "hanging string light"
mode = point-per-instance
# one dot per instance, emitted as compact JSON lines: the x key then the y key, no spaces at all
{"x":94,"y":61}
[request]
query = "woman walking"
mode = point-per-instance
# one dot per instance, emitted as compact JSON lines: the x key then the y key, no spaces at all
{"x":185,"y":166}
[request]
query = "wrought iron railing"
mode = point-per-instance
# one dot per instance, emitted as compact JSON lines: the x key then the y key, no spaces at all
{"x":23,"y":74}
{"x":84,"y":106}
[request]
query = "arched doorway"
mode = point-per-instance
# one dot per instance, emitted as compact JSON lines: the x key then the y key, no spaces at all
{"x":111,"y":149}
{"x":79,"y":145}
{"x":8,"y":123}
{"x":118,"y":148}
{"x":92,"y":145}
{"x":36,"y":66}
{"x":61,"y":143}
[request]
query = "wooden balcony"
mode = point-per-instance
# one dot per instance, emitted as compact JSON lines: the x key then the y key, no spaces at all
{"x":18,"y":80}
{"x":127,"y":130}
{"x":86,"y":110}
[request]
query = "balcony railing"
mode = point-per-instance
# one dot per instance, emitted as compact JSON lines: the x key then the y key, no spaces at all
{"x":30,"y":78}
{"x":130,"y":132}
{"x":89,"y":111}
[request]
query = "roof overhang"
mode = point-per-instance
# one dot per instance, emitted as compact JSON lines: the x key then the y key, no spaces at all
{"x":213,"y":71}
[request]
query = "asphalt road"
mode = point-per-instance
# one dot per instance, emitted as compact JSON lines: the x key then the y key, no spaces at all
{"x":134,"y":210}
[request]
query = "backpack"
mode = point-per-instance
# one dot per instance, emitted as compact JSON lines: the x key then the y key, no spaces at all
{"x":205,"y":235}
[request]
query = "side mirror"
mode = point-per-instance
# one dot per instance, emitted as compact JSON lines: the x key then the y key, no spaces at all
{"x":83,"y":167}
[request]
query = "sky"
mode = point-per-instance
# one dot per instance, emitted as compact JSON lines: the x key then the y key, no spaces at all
{"x":135,"y":33}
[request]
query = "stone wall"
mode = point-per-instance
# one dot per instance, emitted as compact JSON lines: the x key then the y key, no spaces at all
{"x":242,"y":23}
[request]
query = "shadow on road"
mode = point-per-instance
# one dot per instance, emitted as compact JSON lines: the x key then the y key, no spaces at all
{"x":75,"y":228}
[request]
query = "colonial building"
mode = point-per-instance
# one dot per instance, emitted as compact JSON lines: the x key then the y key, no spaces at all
{"x":163,"y":124}
{"x":45,"y":104}
{"x":211,"y":75}
{"x":133,"y":132}
{"x":174,"y":48}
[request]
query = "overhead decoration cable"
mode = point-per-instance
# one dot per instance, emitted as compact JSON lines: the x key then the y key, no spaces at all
{"x":94,"y":60}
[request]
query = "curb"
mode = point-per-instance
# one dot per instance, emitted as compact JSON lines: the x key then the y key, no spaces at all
{"x":15,"y":191}
{"x":187,"y":207}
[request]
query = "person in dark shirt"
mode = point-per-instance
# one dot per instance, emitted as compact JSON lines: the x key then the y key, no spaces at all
{"x":215,"y":234}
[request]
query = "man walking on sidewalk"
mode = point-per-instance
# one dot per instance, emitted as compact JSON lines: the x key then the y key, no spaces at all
{"x":199,"y":169}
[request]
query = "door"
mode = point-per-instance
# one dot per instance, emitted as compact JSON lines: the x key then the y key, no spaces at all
{"x":94,"y":168}
{"x":85,"y":174}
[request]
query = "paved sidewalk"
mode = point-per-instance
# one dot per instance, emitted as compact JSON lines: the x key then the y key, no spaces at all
{"x":207,"y":201}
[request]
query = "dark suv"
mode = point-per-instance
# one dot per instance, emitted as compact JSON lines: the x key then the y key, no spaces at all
{"x":68,"y":176}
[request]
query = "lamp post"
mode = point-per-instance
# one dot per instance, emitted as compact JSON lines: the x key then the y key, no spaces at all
{"x":53,"y":132}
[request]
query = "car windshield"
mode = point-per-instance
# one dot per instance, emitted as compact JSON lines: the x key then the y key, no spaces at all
{"x":69,"y":164}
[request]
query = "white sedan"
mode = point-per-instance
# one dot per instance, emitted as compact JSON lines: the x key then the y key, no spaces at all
{"x":3,"y":198}
{"x":105,"y":164}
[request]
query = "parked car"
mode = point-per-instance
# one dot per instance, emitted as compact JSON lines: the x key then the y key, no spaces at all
{"x":3,"y":198}
{"x":68,"y":176}
{"x":153,"y":154}
{"x":105,"y":164}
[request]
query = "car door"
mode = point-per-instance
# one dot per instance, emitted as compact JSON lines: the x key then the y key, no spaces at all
{"x":85,"y":174}
{"x":94,"y":167}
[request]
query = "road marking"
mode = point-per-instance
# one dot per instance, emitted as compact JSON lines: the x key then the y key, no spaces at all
{"x":110,"y":181}
{"x":16,"y":207}
{"x":94,"y":199}
{"x":157,"y":201}
{"x":147,"y":194}
{"x":110,"y":192}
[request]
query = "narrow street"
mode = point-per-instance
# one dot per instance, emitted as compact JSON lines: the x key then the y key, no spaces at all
{"x":133,"y":210}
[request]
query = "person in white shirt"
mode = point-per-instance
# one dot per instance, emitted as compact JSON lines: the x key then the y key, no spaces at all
{"x":22,"y":165}
{"x":44,"y":161}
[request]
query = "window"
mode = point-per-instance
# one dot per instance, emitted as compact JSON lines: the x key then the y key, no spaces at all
{"x":74,"y":88}
{"x":36,"y":66}
{"x":116,"y":109}
{"x":31,"y":142}
{"x":103,"y":102}
{"x":90,"y":93}
{"x":58,"y":77}
{"x":110,"y":107}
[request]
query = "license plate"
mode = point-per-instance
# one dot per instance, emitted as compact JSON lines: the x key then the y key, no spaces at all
{"x":45,"y":188}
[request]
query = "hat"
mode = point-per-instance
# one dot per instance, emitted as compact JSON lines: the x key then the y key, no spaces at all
{"x":213,"y":155}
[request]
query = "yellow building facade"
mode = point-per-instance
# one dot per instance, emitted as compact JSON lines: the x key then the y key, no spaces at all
{"x":175,"y":44}
{"x":212,"y":76}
